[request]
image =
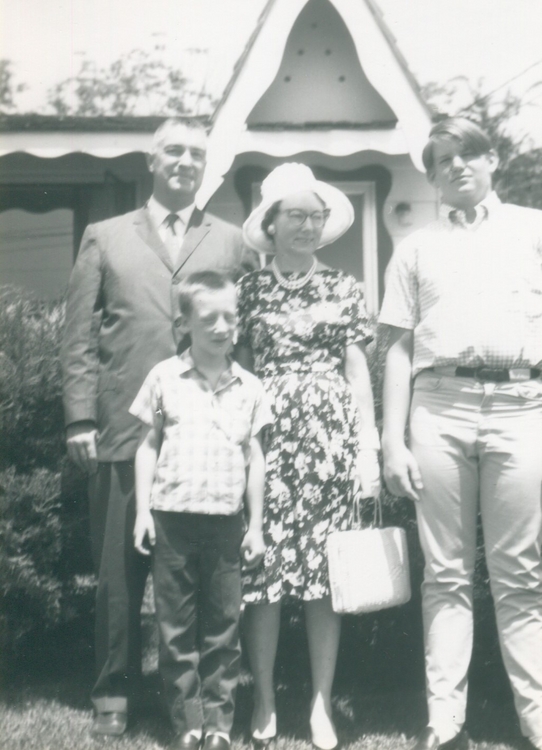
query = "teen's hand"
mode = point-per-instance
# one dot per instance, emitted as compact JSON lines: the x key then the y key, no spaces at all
{"x":144,"y":529}
{"x":402,"y":473}
{"x":252,"y":548}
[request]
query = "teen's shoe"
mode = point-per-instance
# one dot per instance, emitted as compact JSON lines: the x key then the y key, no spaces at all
{"x":216,"y":742}
{"x":428,"y":740}
{"x":112,"y":723}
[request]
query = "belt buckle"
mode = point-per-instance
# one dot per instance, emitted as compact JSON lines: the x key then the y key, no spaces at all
{"x":489,"y":375}
{"x":520,"y":374}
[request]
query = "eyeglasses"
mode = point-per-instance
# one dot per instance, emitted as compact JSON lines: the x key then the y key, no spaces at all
{"x":297,"y":217}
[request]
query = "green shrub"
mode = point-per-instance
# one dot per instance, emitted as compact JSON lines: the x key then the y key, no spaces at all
{"x":30,"y":381}
{"x":42,"y":583}
{"x":45,"y":566}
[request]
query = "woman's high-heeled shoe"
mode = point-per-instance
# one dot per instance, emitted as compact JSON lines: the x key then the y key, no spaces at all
{"x":259,"y":743}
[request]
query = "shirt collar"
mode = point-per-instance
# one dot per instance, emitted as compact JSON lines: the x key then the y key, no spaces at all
{"x":186,"y":363}
{"x":455,"y":216}
{"x":159,"y":213}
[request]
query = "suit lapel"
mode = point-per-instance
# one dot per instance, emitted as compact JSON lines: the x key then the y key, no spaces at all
{"x":147,"y":231}
{"x":198,"y":227}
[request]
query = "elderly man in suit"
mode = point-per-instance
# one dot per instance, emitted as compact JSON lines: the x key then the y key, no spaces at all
{"x":121,"y":320}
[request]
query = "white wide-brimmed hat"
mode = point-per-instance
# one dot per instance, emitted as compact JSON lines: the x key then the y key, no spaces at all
{"x":289,"y":179}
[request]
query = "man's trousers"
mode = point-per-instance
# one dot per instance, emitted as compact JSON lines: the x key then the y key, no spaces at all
{"x":479,"y":449}
{"x":121,"y":573}
{"x":197,"y":587}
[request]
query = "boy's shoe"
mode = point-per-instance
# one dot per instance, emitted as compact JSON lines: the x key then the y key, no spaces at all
{"x":186,"y":741}
{"x":216,"y":742}
{"x":112,"y":723}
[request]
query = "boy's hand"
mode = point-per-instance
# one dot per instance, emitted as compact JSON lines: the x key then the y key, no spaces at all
{"x":253,"y":548}
{"x":144,"y":528}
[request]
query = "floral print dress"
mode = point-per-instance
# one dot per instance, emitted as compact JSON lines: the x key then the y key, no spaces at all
{"x":298,"y":339}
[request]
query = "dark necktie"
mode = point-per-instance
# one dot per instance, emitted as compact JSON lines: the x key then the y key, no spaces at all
{"x":172,"y":241}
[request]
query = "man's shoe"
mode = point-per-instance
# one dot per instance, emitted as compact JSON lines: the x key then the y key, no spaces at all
{"x":216,"y":742}
{"x":186,"y":741}
{"x":112,"y":723}
{"x":428,"y":740}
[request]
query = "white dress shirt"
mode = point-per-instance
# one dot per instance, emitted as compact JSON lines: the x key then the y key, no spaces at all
{"x":159,"y":214}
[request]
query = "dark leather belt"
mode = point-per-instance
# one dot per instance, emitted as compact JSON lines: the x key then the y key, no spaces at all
{"x":488,"y":375}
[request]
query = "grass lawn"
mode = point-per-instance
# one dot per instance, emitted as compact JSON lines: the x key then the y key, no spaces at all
{"x":47,"y":705}
{"x":52,"y":715}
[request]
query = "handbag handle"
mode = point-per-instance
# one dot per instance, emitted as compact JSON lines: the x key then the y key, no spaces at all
{"x":377,"y":514}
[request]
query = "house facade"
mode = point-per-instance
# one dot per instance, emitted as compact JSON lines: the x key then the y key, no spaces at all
{"x":320,"y":82}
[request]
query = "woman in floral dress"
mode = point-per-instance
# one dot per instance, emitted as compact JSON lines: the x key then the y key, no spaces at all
{"x":302,"y":329}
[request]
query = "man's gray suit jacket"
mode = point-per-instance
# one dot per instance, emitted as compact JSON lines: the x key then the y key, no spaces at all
{"x":122,"y":315}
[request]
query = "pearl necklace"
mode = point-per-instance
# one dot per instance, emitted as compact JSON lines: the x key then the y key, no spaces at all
{"x":293,"y":283}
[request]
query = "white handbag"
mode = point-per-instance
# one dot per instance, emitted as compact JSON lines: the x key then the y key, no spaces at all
{"x":368,"y":568}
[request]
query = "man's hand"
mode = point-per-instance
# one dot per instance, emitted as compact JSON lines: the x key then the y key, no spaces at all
{"x":81,"y":440}
{"x":402,"y":473}
{"x":144,"y":529}
{"x":253,"y":548}
{"x":369,"y":473}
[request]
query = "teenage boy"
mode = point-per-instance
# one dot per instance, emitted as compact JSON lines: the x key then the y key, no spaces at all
{"x":199,"y":455}
{"x":464,"y":300}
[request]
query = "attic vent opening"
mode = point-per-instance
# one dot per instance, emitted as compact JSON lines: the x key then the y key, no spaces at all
{"x":320,"y":79}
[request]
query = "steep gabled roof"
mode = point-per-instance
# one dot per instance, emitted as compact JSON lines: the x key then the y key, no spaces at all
{"x":384,"y":28}
{"x":381,"y":64}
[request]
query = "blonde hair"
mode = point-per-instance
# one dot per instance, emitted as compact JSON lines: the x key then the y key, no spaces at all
{"x":200,"y":281}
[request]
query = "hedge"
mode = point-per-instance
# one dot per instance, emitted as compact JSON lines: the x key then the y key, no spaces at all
{"x":45,"y":565}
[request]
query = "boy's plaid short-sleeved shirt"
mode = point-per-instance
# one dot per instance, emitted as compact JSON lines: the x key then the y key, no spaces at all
{"x":205,"y":434}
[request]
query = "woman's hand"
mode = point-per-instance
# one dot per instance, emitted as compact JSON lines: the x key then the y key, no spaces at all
{"x":368,"y":471}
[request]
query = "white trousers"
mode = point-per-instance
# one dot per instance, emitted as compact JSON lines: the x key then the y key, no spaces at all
{"x":479,"y":448}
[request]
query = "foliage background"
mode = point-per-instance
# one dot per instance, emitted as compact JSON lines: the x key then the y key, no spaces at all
{"x":45,"y":565}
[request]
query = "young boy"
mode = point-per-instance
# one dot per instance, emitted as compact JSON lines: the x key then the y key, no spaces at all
{"x":198,"y":456}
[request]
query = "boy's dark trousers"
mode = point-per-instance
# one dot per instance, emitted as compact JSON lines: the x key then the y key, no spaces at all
{"x":197,"y":587}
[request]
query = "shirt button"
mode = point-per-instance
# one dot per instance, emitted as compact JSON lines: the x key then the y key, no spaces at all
{"x":178,"y":322}
{"x":176,"y":280}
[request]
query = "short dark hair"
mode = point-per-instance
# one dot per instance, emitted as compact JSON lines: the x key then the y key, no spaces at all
{"x":200,"y":281}
{"x":468,"y":133}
